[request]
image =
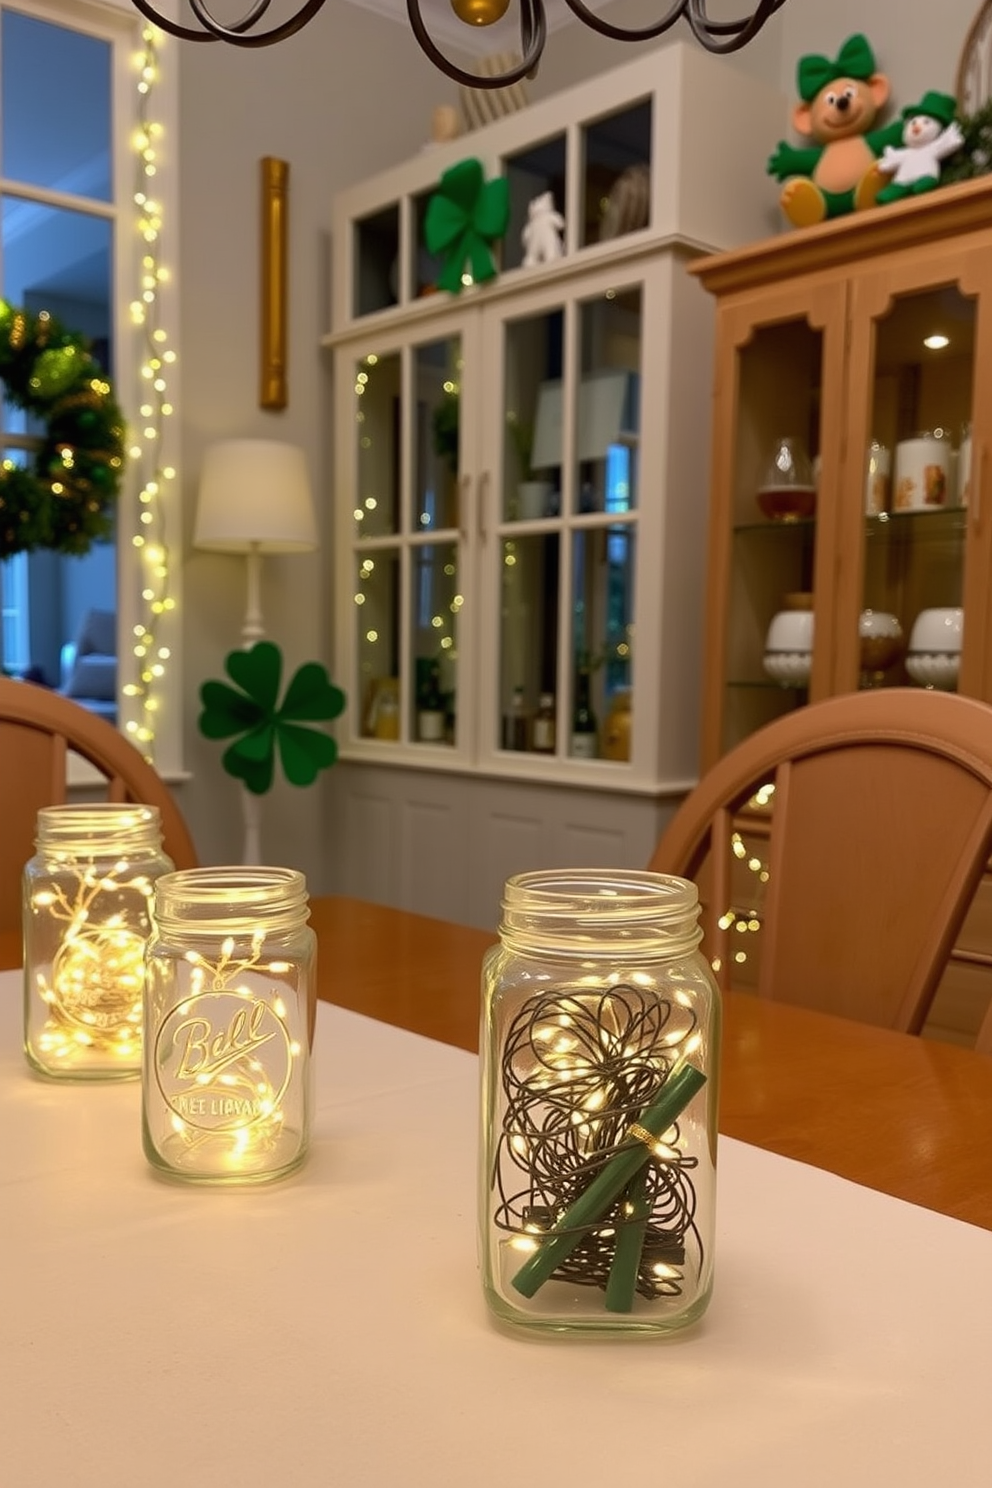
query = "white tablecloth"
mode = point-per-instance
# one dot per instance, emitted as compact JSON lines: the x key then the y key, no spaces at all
{"x":329,"y":1332}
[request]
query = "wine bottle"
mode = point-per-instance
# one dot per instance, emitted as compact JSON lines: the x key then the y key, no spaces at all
{"x":584,"y":727}
{"x":430,"y":708}
{"x":515,"y":722}
{"x":543,"y":733}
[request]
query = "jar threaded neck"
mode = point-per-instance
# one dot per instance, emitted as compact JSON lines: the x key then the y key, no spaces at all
{"x":231,"y":900}
{"x":601,"y":912}
{"x":98,"y":826}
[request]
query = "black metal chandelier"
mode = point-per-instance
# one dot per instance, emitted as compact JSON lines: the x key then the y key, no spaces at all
{"x":715,"y":36}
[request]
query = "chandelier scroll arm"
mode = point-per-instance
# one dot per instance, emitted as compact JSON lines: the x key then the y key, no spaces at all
{"x":737,"y":34}
{"x":714,"y":36}
{"x":237,"y":34}
{"x":533,"y":35}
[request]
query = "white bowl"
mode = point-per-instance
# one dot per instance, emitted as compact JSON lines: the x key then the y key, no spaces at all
{"x":790,"y":668}
{"x":790,"y":630}
{"x":937,"y":669}
{"x":937,"y":630}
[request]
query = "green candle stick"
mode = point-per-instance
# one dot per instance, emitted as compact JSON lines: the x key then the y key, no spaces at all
{"x":622,"y":1282}
{"x":594,"y":1202}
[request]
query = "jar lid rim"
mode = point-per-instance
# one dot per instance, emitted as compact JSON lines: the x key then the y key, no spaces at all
{"x":215,"y":884}
{"x":593,"y":895}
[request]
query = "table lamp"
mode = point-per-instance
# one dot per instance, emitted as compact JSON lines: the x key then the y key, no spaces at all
{"x":598,"y":423}
{"x":254,"y":499}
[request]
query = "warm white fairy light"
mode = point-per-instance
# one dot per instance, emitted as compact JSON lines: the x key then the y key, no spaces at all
{"x":746,"y":922}
{"x":371,"y":665}
{"x":146,"y":452}
{"x":229,"y":1081}
{"x":93,"y":989}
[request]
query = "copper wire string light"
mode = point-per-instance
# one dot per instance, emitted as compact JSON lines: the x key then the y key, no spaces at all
{"x":715,"y":36}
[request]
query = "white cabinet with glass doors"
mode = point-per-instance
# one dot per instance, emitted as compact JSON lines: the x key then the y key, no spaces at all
{"x":490,"y":563}
{"x":520,"y":469}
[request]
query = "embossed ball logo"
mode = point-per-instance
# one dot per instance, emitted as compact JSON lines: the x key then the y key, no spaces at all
{"x":223,"y":1060}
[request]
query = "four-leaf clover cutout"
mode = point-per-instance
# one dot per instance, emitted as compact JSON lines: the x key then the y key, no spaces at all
{"x":250,"y":711}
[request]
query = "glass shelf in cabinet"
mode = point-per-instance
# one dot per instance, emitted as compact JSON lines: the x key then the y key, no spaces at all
{"x":765,"y":684}
{"x":762,"y":528}
{"x":940,"y":524}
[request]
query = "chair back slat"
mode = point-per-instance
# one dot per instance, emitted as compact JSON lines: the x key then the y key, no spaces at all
{"x":38,"y":731}
{"x":880,"y":831}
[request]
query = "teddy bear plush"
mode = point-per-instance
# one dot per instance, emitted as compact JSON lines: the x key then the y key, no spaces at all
{"x":930,"y":133}
{"x":841,"y":100}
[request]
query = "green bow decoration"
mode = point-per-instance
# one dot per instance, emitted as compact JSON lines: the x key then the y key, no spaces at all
{"x":854,"y":60}
{"x":250,"y":711}
{"x":464,"y":216}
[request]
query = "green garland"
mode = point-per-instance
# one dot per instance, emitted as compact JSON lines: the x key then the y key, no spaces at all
{"x":975,"y":156}
{"x":64,"y":498}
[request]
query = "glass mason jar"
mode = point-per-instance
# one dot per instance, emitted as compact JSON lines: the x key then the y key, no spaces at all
{"x":600,"y":1058}
{"x":86,"y":911}
{"x":229,"y":1003}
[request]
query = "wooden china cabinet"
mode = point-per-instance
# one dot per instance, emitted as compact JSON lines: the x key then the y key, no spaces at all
{"x":873,"y":328}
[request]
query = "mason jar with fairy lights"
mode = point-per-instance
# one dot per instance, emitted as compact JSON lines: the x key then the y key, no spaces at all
{"x":229,"y":1016}
{"x":600,"y":1056}
{"x":86,"y":911}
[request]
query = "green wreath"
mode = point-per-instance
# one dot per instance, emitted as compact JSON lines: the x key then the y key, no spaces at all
{"x":63,"y":499}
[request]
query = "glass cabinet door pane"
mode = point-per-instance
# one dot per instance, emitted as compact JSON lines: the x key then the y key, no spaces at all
{"x":607,"y":414}
{"x":617,"y":174}
{"x":436,"y":434}
{"x":378,"y":381}
{"x":916,"y":489}
{"x":425,"y":267}
{"x":531,"y":174}
{"x":603,"y":566}
{"x":532,"y":453}
{"x":376,"y":250}
{"x":436,"y":602}
{"x":376,"y":597}
{"x":529,"y":584}
{"x":769,"y":639}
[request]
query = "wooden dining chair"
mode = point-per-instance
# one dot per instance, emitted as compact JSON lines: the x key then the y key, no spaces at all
{"x":850,"y":835}
{"x":39,"y":729}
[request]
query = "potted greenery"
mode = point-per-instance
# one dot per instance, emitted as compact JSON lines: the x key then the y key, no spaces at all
{"x":533,"y":494}
{"x":445,"y":425}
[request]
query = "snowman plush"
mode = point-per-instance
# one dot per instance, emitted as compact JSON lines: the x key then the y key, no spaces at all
{"x":930,"y":133}
{"x":541,"y":235}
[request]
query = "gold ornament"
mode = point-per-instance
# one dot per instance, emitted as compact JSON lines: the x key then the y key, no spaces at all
{"x":480,"y":12}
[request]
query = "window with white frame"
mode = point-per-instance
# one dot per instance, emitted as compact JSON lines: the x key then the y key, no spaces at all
{"x":86,"y":209}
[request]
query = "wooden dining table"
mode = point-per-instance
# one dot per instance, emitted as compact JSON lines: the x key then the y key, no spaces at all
{"x":332,"y":1329}
{"x":908,"y":1116}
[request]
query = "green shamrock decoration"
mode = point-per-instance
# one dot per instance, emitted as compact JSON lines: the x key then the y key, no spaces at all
{"x":252,"y":713}
{"x":464,"y":216}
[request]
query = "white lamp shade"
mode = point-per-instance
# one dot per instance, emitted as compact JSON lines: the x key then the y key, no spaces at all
{"x":599,"y":421}
{"x":255,"y":495}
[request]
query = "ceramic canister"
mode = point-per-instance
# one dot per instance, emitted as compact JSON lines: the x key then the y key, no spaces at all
{"x":922,"y":474}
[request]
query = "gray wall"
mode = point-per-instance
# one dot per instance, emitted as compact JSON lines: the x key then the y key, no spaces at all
{"x":348,"y":96}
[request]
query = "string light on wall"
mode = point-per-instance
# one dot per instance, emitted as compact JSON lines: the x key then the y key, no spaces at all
{"x":748,"y":921}
{"x":715,"y":36}
{"x":146,"y":455}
